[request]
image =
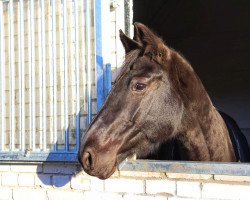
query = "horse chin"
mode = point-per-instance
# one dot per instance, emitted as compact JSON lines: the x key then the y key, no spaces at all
{"x":106,"y":174}
{"x":103,"y":172}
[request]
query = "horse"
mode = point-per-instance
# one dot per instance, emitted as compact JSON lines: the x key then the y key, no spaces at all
{"x":156,"y":98}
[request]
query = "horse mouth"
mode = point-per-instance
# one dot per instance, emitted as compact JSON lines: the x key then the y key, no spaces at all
{"x":107,"y":175}
{"x":105,"y":172}
{"x":102,"y":173}
{"x":102,"y":165}
{"x":101,"y":169}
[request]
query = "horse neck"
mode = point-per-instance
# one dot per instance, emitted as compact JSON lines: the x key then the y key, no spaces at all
{"x":203,"y":134}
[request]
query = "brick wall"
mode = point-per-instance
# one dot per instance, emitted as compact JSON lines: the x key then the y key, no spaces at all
{"x":67,"y":181}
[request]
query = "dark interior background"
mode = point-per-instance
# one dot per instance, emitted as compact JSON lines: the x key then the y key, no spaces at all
{"x":214,"y":36}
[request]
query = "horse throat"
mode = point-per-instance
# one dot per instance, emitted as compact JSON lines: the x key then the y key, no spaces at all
{"x":206,"y":138}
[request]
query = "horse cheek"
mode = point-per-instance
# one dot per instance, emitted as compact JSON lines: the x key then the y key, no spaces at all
{"x":171,"y":115}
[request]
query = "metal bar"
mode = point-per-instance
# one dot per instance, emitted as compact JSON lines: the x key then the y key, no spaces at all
{"x":99,"y":53}
{"x":43,"y":68}
{"x":128,"y":9}
{"x":32,"y":75}
{"x":54,"y":75}
{"x":65,"y":51}
{"x":40,"y":88}
{"x":77,"y":73}
{"x":11,"y":73}
{"x":2,"y":78}
{"x":65,"y":63}
{"x":21,"y":78}
{"x":88,"y":61}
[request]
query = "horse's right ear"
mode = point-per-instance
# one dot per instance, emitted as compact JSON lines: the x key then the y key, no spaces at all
{"x":128,"y":43}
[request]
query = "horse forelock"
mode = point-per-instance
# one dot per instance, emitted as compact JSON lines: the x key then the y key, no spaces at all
{"x":130,"y":59}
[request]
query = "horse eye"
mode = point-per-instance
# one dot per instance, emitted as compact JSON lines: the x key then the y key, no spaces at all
{"x":140,"y":86}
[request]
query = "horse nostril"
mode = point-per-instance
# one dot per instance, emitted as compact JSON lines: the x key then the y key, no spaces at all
{"x":88,"y":161}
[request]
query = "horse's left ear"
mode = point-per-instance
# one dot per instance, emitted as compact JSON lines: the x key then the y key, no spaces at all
{"x":152,"y":45}
{"x":128,"y":43}
{"x":144,"y":36}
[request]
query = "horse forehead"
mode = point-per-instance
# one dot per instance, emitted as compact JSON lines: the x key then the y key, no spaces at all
{"x":143,"y":63}
{"x":139,"y":64}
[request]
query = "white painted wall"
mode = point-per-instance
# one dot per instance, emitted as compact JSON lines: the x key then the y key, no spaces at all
{"x":53,"y":181}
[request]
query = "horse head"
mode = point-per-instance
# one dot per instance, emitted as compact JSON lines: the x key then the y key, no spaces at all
{"x":146,"y":106}
{"x":141,"y":111}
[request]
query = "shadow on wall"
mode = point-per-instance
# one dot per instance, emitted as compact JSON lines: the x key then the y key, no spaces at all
{"x":59,"y":173}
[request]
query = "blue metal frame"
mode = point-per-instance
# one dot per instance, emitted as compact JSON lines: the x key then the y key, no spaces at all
{"x":38,"y":157}
{"x":99,"y":54}
{"x":103,"y":70}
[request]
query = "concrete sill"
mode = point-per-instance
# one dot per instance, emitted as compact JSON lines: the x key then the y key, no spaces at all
{"x":216,"y":168}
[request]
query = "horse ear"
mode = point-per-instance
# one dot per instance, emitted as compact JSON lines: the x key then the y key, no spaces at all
{"x":144,"y":36}
{"x":128,"y":43}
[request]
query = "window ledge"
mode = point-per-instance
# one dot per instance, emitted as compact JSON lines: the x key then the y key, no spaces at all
{"x":38,"y":157}
{"x":186,"y":167}
{"x":216,"y":168}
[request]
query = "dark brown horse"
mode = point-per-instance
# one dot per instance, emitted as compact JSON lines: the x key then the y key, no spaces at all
{"x":156,"y":97}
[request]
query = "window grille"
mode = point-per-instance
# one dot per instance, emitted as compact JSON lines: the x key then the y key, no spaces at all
{"x":47,"y":77}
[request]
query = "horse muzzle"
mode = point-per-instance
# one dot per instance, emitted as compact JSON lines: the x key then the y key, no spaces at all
{"x":101,"y":165}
